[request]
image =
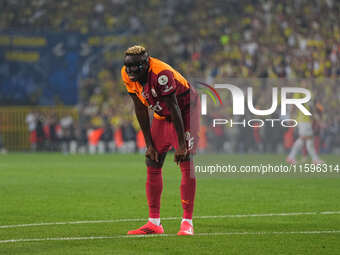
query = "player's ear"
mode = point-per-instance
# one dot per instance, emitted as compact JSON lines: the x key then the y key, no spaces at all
{"x":147,"y":60}
{"x":147,"y":57}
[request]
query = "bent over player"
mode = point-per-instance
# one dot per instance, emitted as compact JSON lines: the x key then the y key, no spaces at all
{"x":153,"y":84}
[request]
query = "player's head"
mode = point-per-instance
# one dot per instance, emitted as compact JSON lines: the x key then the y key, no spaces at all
{"x":136,"y":61}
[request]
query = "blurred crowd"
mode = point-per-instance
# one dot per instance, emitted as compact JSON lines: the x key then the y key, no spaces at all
{"x":216,"y":38}
{"x":204,"y":40}
{"x":255,"y":133}
{"x":69,"y":135}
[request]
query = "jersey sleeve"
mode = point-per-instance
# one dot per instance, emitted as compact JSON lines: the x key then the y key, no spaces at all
{"x":128,"y":85}
{"x":166,"y":83}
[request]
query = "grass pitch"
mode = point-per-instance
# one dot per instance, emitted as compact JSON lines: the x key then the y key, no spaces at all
{"x":85,"y":205}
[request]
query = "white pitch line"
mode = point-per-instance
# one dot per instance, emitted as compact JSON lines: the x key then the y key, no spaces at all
{"x":170,"y":218}
{"x":308,"y":232}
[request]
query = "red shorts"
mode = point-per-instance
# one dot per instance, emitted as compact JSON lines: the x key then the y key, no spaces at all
{"x":164,"y":134}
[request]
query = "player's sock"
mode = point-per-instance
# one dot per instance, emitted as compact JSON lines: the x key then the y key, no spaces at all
{"x":296,"y":148}
{"x":154,"y":187}
{"x":156,"y":221}
{"x":188,"y":189}
{"x":311,"y":150}
{"x":188,"y":220}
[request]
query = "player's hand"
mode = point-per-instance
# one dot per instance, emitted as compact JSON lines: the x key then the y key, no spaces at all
{"x":181,"y":155}
{"x":152,"y":153}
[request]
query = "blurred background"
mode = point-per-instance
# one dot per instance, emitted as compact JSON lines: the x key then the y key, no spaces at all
{"x":60,"y":61}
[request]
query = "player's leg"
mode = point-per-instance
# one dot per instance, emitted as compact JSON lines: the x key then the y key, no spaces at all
{"x":188,"y":180}
{"x":188,"y":190}
{"x":306,"y":132}
{"x":154,"y":183}
{"x":298,"y":144}
{"x":154,"y":187}
{"x":154,"y":180}
{"x":312,"y":152}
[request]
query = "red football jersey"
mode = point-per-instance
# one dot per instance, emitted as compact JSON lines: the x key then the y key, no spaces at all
{"x":162,"y":80}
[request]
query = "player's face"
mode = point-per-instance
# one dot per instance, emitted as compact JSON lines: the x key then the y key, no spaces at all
{"x":136,"y":67}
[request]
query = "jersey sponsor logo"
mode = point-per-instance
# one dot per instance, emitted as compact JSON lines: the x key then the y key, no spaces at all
{"x":163,"y":80}
{"x":153,"y":92}
{"x":167,"y":89}
{"x":156,"y":108}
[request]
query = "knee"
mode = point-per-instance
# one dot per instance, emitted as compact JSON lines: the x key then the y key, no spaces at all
{"x":155,"y":164}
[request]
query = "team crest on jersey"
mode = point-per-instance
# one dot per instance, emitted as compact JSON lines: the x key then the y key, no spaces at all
{"x":153,"y":92}
{"x":163,"y":80}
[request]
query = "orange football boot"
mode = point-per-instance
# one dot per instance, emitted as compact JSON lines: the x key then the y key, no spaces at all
{"x":148,"y":229}
{"x":186,"y":229}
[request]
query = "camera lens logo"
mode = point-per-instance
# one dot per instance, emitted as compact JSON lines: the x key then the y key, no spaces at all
{"x":210,"y":90}
{"x":239,"y":97}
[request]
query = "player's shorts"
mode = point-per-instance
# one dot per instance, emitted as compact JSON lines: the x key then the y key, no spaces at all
{"x":164,"y":134}
{"x":305,"y":129}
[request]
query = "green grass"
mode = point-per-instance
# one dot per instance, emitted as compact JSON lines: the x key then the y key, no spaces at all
{"x":48,"y":188}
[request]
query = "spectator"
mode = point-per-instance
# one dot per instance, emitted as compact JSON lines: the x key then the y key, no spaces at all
{"x":129,"y":137}
{"x":2,"y":147}
{"x":40,"y":133}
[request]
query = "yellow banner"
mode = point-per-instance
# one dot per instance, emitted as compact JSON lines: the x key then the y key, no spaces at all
{"x":22,"y":56}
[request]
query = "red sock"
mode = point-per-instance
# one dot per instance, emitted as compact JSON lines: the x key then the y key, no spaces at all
{"x":188,"y":188}
{"x":154,"y":187}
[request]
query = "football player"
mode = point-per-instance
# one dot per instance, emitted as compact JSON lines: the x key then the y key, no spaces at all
{"x":153,"y":84}
{"x":305,"y":135}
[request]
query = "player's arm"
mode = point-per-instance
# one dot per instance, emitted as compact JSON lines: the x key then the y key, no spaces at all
{"x":144,"y":123}
{"x":177,"y":120}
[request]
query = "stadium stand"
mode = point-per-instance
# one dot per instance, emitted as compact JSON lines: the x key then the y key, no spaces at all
{"x":207,"y":40}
